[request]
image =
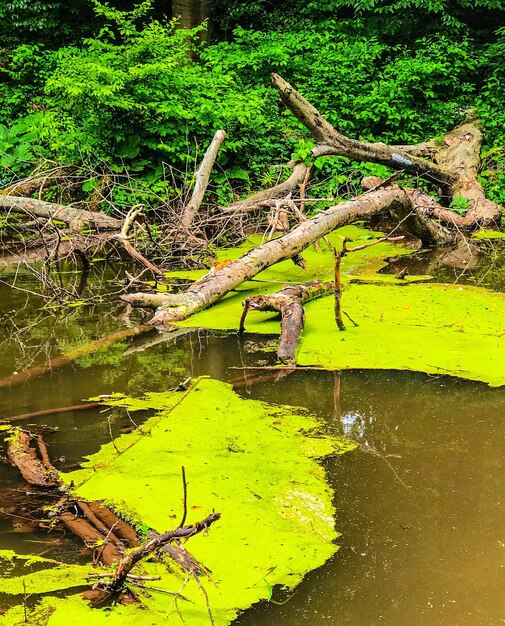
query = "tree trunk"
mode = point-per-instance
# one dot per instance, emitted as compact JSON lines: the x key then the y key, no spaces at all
{"x":191,"y":13}
{"x":76,"y":219}
{"x":453,"y":168}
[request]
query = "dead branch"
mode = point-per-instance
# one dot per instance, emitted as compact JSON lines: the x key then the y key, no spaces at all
{"x":300,"y":172}
{"x":98,"y":527}
{"x":132,"y":558}
{"x":202,"y":177}
{"x":123,"y":237}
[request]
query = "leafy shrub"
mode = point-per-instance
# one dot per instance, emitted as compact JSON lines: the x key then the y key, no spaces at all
{"x":19,"y":146}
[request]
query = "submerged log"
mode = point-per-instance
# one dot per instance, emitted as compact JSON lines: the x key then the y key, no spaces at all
{"x":96,"y":525}
{"x":36,"y":471}
{"x":71,"y":356}
{"x":289,"y":303}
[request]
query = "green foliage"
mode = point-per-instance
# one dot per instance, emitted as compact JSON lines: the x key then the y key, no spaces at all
{"x":19,"y":146}
{"x":141,"y":93}
{"x":24,"y":71}
{"x":53,"y":21}
{"x":460,"y":205}
{"x":135,"y":96}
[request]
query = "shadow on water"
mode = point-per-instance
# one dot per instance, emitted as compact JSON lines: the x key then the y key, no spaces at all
{"x":420,"y":503}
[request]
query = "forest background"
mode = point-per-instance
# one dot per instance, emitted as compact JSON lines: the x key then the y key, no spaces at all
{"x":121,"y":89}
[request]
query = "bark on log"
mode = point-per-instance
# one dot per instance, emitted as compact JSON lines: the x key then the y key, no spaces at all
{"x":213,"y":287}
{"x":202,"y":180}
{"x":76,"y":219}
{"x":460,"y":157}
{"x":289,"y":303}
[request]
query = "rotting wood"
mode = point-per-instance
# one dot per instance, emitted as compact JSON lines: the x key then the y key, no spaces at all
{"x":289,"y":303}
{"x":96,"y":525}
{"x":23,"y":456}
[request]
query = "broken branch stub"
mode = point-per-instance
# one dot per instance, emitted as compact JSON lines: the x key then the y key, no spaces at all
{"x":289,"y":303}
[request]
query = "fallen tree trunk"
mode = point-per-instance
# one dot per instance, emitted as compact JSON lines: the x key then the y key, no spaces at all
{"x":76,"y":219}
{"x":214,"y":286}
{"x":450,"y":164}
{"x":331,"y":142}
{"x":289,"y":303}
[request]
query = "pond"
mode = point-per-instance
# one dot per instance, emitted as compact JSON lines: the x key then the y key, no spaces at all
{"x":419,"y":502}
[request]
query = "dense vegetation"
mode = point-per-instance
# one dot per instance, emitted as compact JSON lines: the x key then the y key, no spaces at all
{"x":119,"y":87}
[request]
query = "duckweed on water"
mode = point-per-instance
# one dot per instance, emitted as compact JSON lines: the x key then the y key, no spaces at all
{"x":406,"y":325}
{"x":253,"y":462}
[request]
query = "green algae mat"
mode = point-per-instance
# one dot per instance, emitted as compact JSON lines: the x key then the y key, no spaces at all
{"x":407,"y":324}
{"x":255,"y":463}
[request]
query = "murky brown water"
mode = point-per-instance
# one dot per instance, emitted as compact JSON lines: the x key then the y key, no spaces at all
{"x":420,"y":504}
